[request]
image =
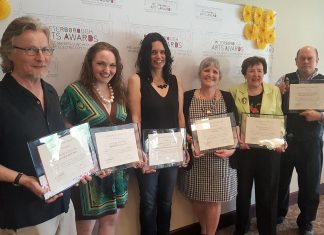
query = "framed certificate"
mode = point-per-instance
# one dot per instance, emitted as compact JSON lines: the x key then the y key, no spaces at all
{"x":215,"y":132}
{"x":117,"y":147}
{"x":61,"y":159}
{"x":262,"y":130}
{"x":306,"y":95}
{"x":164,"y":147}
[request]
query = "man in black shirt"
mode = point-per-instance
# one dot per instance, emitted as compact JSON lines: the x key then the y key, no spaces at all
{"x":29,"y":109}
{"x":305,"y":144}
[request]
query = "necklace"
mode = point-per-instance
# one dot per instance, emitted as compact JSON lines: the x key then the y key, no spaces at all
{"x":162,"y":86}
{"x":103,"y":99}
{"x":203,"y":97}
{"x":206,"y":108}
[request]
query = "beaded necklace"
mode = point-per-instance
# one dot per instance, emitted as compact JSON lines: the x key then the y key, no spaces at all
{"x":103,"y":99}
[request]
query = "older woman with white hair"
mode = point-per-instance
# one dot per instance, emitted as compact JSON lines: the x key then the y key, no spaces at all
{"x":211,"y":179}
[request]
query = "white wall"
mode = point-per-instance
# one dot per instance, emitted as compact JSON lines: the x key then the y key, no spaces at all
{"x":298,"y":23}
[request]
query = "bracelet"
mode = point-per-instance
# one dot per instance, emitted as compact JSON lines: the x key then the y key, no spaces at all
{"x":322,"y":116}
{"x":16,"y":181}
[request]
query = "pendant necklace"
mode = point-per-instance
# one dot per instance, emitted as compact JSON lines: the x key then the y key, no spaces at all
{"x":208,"y":110}
{"x":162,"y":86}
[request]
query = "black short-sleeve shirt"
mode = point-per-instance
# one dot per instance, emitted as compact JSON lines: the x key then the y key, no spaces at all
{"x":22,"y":119}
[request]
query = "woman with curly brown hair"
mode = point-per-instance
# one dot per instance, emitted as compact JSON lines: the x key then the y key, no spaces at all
{"x":98,"y":97}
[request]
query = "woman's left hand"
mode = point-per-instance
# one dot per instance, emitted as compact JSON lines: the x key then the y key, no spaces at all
{"x":104,"y":173}
{"x":146,"y":169}
{"x":142,"y":159}
{"x":224,"y":153}
{"x":85,"y":179}
{"x":187,"y":157}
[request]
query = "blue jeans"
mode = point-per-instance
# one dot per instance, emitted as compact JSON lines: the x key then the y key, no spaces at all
{"x":156,"y":190}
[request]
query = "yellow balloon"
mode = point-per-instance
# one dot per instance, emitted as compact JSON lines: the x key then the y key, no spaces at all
{"x":5,"y":9}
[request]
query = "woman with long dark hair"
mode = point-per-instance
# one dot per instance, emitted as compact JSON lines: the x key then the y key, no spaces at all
{"x":155,"y":101}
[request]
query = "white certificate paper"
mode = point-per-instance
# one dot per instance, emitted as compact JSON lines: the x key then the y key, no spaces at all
{"x":214,"y":133}
{"x":165,"y":148}
{"x":116,"y":147}
{"x":306,"y":96}
{"x":64,"y":162}
{"x":258,"y":130}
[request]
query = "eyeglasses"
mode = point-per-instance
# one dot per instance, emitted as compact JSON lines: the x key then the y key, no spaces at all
{"x":32,"y":51}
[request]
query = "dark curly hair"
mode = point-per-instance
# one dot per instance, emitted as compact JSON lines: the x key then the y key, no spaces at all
{"x":143,"y":62}
{"x":251,"y":61}
{"x":87,"y":77}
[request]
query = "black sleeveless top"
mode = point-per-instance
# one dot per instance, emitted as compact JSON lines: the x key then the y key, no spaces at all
{"x":159,"y":112}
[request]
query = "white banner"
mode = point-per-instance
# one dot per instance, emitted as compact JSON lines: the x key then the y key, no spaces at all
{"x":194,"y":29}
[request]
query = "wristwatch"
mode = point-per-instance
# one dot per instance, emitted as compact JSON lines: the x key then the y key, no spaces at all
{"x":16,"y":181}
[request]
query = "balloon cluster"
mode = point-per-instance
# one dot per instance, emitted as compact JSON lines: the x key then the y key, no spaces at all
{"x":259,"y":27}
{"x":5,"y":9}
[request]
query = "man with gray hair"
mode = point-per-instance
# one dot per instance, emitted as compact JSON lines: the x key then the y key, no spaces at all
{"x":29,"y":109}
{"x":305,"y":144}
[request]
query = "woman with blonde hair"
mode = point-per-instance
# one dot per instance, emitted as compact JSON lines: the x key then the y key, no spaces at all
{"x":212,"y":178}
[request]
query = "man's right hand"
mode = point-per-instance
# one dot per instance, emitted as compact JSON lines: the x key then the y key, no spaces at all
{"x":284,"y":87}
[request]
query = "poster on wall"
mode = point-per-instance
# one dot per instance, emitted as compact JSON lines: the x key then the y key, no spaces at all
{"x":193,"y":29}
